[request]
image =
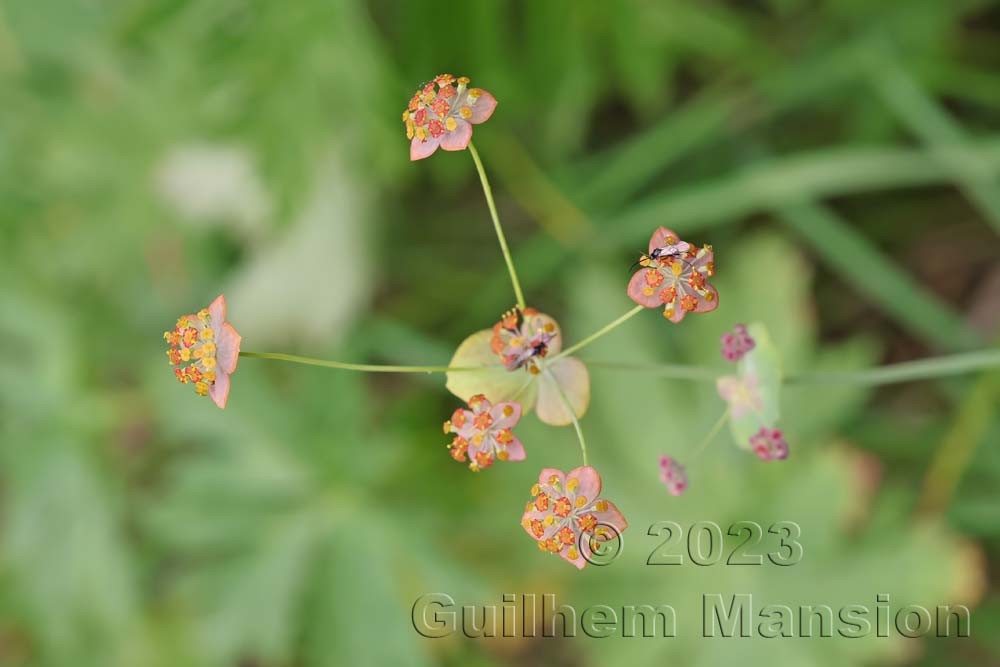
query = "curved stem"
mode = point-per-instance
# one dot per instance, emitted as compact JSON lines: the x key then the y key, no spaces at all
{"x":571,"y":411}
{"x":488,"y":191}
{"x":710,"y":437}
{"x":600,"y":332}
{"x":367,"y":368}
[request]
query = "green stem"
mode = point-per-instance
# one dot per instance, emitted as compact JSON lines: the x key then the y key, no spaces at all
{"x":907,"y":371}
{"x":952,"y":458}
{"x":571,"y":411}
{"x":600,"y":332}
{"x":488,"y":191}
{"x":368,"y":368}
{"x":710,"y":437}
{"x":673,"y":371}
{"x":922,"y":369}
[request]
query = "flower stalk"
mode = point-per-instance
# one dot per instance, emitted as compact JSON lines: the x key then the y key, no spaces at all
{"x":571,"y":411}
{"x":600,"y":332}
{"x":364,"y":368}
{"x":488,"y":191}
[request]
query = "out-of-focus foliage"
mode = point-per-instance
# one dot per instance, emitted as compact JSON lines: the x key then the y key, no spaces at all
{"x":842,"y":157}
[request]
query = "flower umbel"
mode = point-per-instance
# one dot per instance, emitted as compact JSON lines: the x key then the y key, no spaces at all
{"x":483,"y":433}
{"x":565,"y":514}
{"x":673,"y":475}
{"x":521,"y":338}
{"x":674,"y":274}
{"x":769,"y":444}
{"x":741,"y":393}
{"x":737,"y":343}
{"x":204,"y":350}
{"x":442,"y":113}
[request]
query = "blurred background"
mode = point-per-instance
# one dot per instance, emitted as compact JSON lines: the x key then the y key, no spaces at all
{"x":842,"y":157}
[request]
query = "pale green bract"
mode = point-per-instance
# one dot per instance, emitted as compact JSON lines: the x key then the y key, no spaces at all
{"x":764,"y":363}
{"x":532,"y":391}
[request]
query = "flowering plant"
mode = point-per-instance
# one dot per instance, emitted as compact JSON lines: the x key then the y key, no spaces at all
{"x":521,"y":363}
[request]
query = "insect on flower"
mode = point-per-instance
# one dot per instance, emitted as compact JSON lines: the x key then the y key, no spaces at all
{"x":521,"y":338}
{"x":518,"y":360}
{"x":565,"y":516}
{"x":442,"y":113}
{"x":204,"y":350}
{"x":483,"y":433}
{"x":676,"y":278}
{"x":671,"y":250}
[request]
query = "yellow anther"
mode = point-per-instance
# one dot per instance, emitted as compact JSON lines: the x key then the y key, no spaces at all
{"x":209,"y":376}
{"x":477,"y":439}
{"x":503,"y":455}
{"x":535,"y":490}
{"x":447,"y":426}
{"x":182,"y":322}
{"x":668,"y":313}
{"x":709,"y":296}
{"x":466,"y":112}
{"x":572,"y":484}
{"x":676,"y":268}
{"x":475,"y":93}
{"x":541,"y":545}
{"x":450,"y":123}
{"x":549,"y":520}
{"x":208,"y":363}
{"x":207,"y":333}
{"x":406,"y":115}
{"x":201,"y":388}
{"x":573,"y":553}
{"x":186,"y":354}
{"x":581,"y":501}
{"x":648,"y":291}
{"x":508,"y":410}
{"x":208,"y":349}
{"x":203,"y":315}
{"x":601,"y":506}
{"x":670,"y":240}
{"x":463,"y":80}
{"x":554,"y":480}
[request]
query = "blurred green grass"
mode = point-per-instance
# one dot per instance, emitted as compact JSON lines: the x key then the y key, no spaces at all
{"x":841,"y":156}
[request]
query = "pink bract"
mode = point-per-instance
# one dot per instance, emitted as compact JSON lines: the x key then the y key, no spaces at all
{"x":483,"y":433}
{"x":442,"y":113}
{"x":769,"y":444}
{"x":737,"y":343}
{"x":204,"y":350}
{"x":678,"y":282}
{"x":566,"y":514}
{"x":673,"y":475}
